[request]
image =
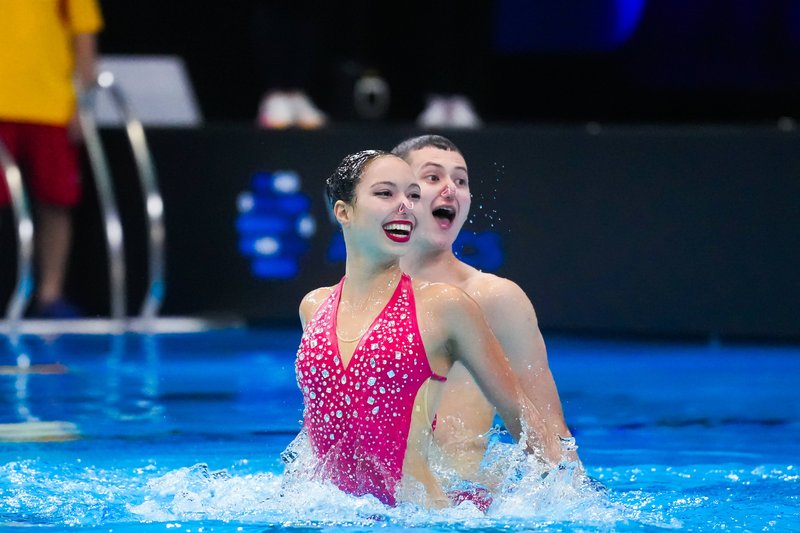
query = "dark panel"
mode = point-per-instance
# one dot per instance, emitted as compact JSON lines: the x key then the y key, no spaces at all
{"x":664,"y":231}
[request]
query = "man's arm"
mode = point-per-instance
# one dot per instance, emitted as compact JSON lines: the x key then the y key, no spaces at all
{"x":85,"y":47}
{"x":83,"y":75}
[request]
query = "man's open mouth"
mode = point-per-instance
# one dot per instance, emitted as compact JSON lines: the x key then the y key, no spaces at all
{"x":445,"y":214}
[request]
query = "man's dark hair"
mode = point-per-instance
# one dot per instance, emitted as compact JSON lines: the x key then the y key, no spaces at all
{"x":413,"y":144}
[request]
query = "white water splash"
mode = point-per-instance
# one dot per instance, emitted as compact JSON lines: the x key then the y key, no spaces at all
{"x":71,"y":493}
{"x":527,"y":494}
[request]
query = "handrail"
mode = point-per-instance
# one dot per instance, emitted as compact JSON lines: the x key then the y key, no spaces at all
{"x":24,"y":222}
{"x":108,"y":203}
{"x":154,"y":205}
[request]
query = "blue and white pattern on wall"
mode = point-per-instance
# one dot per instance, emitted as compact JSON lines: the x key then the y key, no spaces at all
{"x":274,"y":224}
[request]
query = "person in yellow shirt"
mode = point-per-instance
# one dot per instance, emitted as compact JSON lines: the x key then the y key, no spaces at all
{"x":48,"y":52}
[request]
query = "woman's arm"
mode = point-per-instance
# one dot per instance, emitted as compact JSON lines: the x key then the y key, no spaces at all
{"x":471,"y":341}
{"x":512,"y":318}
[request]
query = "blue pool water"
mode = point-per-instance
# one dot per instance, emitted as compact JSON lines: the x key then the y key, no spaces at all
{"x":183,"y":432}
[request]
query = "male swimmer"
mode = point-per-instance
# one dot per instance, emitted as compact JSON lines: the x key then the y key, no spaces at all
{"x":465,"y":415}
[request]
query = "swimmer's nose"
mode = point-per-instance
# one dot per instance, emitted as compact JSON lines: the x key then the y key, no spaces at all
{"x":405,"y":205}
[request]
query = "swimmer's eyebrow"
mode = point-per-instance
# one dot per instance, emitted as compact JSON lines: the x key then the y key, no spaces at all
{"x":440,"y":166}
{"x":385,"y":183}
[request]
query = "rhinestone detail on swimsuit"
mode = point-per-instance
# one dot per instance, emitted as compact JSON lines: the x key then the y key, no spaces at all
{"x":358,"y":417}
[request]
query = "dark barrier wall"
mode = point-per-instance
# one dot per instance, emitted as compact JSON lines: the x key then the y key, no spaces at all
{"x":642,"y":230}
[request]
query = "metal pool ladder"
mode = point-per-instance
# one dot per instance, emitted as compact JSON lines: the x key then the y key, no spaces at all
{"x":154,"y":208}
{"x":24,"y":223}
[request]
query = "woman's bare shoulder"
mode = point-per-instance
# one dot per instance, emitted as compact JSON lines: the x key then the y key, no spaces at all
{"x":491,"y":291}
{"x":312,"y":300}
{"x":440,"y":297}
{"x":318,"y":295}
{"x":429,"y":289}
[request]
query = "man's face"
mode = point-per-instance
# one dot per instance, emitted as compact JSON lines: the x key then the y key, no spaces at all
{"x":445,"y":198}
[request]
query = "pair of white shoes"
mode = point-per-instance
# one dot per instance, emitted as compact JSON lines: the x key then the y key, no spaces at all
{"x":449,"y":112}
{"x":279,"y":110}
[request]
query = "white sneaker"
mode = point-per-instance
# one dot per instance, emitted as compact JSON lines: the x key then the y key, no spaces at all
{"x":462,"y":114}
{"x":436,"y":113}
{"x":275,"y":111}
{"x":306,"y":114}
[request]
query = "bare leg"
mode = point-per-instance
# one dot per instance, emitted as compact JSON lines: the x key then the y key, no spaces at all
{"x":53,"y":241}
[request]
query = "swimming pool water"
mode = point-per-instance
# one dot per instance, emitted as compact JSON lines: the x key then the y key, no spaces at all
{"x":183,"y":432}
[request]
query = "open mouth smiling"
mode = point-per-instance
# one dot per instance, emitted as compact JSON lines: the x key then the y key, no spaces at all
{"x":399,"y":230}
{"x":444,"y":215}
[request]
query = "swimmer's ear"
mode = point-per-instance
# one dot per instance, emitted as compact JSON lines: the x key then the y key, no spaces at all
{"x":342,"y":211}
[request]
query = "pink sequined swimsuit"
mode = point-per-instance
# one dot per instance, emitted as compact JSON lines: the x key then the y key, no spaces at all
{"x":358,"y":417}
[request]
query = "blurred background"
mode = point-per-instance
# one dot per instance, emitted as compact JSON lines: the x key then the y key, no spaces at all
{"x":635,"y":164}
{"x":520,"y":60}
{"x":524,"y":60}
